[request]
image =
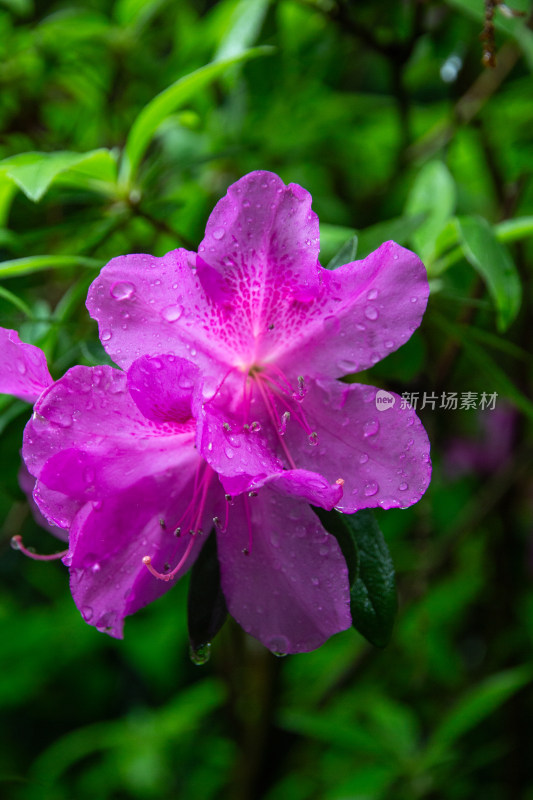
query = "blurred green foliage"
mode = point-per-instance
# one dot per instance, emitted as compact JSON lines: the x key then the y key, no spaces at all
{"x":121,"y":125}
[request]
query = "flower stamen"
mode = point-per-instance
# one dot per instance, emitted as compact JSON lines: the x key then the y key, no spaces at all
{"x":17,"y":544}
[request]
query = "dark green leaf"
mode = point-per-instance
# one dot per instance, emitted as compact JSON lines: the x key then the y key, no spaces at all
{"x":206,"y":606}
{"x":371,"y":572}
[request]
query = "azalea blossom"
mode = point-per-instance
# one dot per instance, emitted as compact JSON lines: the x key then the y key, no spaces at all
{"x":271,"y":332}
{"x":114,"y":463}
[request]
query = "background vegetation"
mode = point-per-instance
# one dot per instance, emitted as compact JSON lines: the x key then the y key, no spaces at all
{"x":384,"y":112}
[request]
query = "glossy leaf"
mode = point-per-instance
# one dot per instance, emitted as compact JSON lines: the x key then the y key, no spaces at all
{"x":493,"y":262}
{"x":245,"y":24}
{"x":168,"y":101}
{"x":206,"y":607}
{"x":432,"y":194}
{"x":25,"y":266}
{"x":345,"y":255}
{"x":372,"y":581}
{"x":34,"y":173}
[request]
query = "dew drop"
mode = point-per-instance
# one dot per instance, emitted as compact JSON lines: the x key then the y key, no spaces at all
{"x":331,"y":324}
{"x":87,"y":613}
{"x":172,"y":313}
{"x":229,"y":452}
{"x":389,"y":344}
{"x":372,"y":294}
{"x":21,"y":366}
{"x":219,"y":234}
{"x":278,"y":645}
{"x":106,"y":336}
{"x":414,"y":299}
{"x":371,"y":489}
{"x":313,"y":439}
{"x":371,"y":313}
{"x":403,"y":487}
{"x":122,"y":290}
{"x":200,"y":655}
{"x":371,"y":427}
{"x":363,"y":458}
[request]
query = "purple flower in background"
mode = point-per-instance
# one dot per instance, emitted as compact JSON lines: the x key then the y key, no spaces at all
{"x":271,"y":331}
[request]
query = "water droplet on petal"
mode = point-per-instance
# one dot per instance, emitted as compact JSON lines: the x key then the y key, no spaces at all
{"x":363,"y":458}
{"x":371,"y":427}
{"x":414,"y":299}
{"x":87,"y":613}
{"x":278,"y":645}
{"x":313,"y":439}
{"x":21,"y":366}
{"x":403,"y":487}
{"x":331,"y":324}
{"x":106,"y":336}
{"x":371,"y":313}
{"x":389,"y":344}
{"x":371,"y":489}
{"x":372,"y":294}
{"x":122,"y":290}
{"x":219,"y":234}
{"x":172,"y":313}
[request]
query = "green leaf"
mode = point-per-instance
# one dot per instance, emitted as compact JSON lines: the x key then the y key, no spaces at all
{"x":493,"y":262}
{"x":245,"y":25}
{"x":25,"y":266}
{"x":477,"y":704}
{"x":206,"y":606}
{"x":432,"y":194}
{"x":345,"y":255}
{"x":165,"y":103}
{"x":34,"y":173}
{"x":371,"y":572}
{"x":332,"y":238}
{"x":399,"y":229}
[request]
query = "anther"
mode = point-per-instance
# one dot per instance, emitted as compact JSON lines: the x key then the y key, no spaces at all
{"x":163,"y":524}
{"x":313,"y":439}
{"x":246,"y":427}
{"x":285,"y":417}
{"x":252,"y":494}
{"x":177,"y":532}
{"x":17,"y":544}
{"x":340,"y":481}
{"x":245,"y":551}
{"x":271,"y":327}
{"x":302,"y":391}
{"x":255,"y":426}
{"x":226,"y":426}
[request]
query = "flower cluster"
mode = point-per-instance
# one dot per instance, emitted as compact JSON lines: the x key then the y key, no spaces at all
{"x":226,"y":413}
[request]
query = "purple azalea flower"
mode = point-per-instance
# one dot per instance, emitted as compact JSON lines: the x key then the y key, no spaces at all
{"x":271,"y":332}
{"x":114,"y":463}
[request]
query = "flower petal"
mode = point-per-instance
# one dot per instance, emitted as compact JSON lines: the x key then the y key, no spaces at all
{"x":23,"y":369}
{"x":109,"y":580}
{"x":162,"y":387}
{"x":89,"y":410}
{"x":364,"y":311}
{"x":291,"y":591}
{"x":150,"y":306}
{"x":27,"y":484}
{"x":263,"y":235}
{"x":381,"y":455}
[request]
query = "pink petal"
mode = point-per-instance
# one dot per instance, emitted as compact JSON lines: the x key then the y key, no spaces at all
{"x":381,"y":455}
{"x":150,"y":306}
{"x":108,"y":542}
{"x":262,"y":235}
{"x":162,"y":387}
{"x":291,"y":591}
{"x":27,"y":484}
{"x":90,"y":410}
{"x":23,"y":370}
{"x":364,"y":311}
